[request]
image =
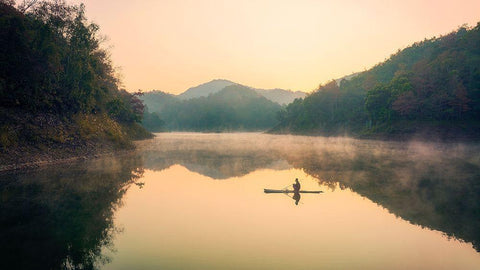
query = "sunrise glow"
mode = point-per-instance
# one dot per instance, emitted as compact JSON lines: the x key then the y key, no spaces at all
{"x":173,"y":45}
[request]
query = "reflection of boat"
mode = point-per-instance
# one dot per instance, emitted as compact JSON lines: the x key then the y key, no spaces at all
{"x":289,"y":191}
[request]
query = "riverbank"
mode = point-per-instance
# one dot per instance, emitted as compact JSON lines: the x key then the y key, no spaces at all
{"x":427,"y":131}
{"x":30,"y":140}
{"x":25,"y":158}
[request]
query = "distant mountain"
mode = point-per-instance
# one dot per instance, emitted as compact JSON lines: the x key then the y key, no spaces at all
{"x":236,"y":107}
{"x":280,"y":96}
{"x":233,"y":108}
{"x":229,"y":106}
{"x":205,"y":89}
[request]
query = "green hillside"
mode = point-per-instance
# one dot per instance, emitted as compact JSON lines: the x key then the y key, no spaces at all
{"x":157,"y":100}
{"x":235,"y":108}
{"x":431,"y":88}
{"x":58,"y":92}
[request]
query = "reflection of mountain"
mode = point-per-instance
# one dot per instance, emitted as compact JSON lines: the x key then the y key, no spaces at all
{"x":218,"y":156}
{"x":62,"y":218}
{"x":214,"y":164}
{"x":432,"y":185}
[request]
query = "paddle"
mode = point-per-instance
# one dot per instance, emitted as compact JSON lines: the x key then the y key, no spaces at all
{"x":287,"y":186}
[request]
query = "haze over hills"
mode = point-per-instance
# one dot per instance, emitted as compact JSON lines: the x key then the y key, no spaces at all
{"x":204,"y":89}
{"x":156,"y":100}
{"x":233,"y":108}
{"x":214,"y":104}
{"x":428,"y":89}
{"x":280,"y":96}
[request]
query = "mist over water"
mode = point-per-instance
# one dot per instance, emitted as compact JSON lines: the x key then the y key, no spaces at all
{"x":431,"y":184}
{"x":196,"y":201}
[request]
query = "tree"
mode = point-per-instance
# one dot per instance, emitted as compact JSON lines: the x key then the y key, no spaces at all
{"x":7,"y":2}
{"x":378,"y":104}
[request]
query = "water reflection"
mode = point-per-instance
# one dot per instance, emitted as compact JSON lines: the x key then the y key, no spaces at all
{"x":62,"y":217}
{"x":214,"y":155}
{"x":296,"y":197}
{"x":431,"y":185}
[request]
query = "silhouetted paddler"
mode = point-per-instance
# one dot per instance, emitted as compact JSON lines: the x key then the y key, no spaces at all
{"x":296,"y":186}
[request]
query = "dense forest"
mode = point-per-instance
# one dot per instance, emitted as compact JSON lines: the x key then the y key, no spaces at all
{"x":431,"y":88}
{"x":235,"y":108}
{"x":57,"y":86}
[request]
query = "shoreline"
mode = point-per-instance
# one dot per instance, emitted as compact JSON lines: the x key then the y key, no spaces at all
{"x":33,"y":165}
{"x":421,"y":135}
{"x":31,"y":158}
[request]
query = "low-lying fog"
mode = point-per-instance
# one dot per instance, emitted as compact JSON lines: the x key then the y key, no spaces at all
{"x":431,"y":184}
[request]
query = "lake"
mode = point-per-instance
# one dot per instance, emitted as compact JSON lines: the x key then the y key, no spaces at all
{"x":197,"y":201}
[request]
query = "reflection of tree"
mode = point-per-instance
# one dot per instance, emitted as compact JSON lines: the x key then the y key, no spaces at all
{"x":432,"y":185}
{"x":61,"y":218}
{"x":438,"y":191}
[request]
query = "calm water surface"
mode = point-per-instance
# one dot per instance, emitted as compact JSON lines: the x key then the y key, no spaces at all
{"x":196,"y":201}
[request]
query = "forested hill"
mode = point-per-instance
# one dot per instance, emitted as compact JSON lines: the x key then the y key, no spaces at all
{"x":205,"y":89}
{"x":58,"y":92}
{"x":235,"y":108}
{"x":280,"y":96}
{"x":431,"y":88}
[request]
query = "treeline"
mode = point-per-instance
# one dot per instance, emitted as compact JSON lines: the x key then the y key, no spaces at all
{"x":235,"y":108}
{"x":432,"y":86}
{"x":53,"y":69}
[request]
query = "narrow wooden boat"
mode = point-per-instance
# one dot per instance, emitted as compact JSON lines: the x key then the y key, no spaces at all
{"x":289,"y":191}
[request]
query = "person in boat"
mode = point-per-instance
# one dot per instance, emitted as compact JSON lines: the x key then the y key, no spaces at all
{"x":296,"y":191}
{"x":296,"y":186}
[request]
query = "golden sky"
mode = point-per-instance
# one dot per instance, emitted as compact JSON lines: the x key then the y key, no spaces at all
{"x":171,"y":45}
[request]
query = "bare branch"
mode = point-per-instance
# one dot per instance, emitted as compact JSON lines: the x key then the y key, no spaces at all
{"x":26,"y":4}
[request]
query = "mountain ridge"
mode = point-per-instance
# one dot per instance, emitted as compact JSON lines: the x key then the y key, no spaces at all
{"x":278,"y":95}
{"x":205,"y":89}
{"x":234,"y":108}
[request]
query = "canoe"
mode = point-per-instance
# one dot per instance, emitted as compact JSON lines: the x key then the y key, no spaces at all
{"x":289,"y":191}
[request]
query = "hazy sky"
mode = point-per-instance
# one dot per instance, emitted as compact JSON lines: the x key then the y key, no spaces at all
{"x":171,"y":45}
